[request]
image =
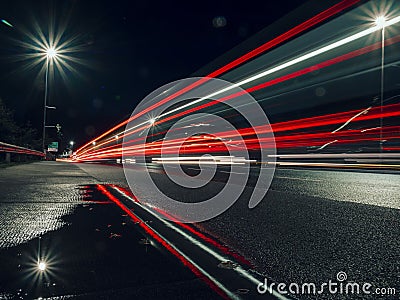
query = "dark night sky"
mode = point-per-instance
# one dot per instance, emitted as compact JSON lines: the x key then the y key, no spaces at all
{"x":130,"y":48}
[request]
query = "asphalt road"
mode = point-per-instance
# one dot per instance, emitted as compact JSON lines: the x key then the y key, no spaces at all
{"x":311,"y":225}
{"x":92,"y":248}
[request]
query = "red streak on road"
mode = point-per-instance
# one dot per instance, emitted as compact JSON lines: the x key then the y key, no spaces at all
{"x":161,"y":241}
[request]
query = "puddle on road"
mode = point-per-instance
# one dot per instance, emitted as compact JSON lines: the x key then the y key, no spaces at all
{"x":28,"y":218}
{"x":97,"y":255}
{"x":21,"y":222}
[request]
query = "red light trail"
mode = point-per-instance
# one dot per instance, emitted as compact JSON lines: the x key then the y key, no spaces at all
{"x":8,"y":148}
{"x":287,"y":133}
{"x":330,"y":12}
{"x":199,"y":145}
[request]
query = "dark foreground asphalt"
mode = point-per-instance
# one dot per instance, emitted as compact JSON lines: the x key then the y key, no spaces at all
{"x":101,"y":244}
{"x":312,"y":225}
{"x":98,"y":243}
{"x":92,"y":248}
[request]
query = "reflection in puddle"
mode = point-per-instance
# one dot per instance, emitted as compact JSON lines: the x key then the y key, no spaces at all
{"x":23,"y":220}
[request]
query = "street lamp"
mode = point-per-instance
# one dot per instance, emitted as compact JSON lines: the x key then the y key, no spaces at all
{"x":56,"y":51}
{"x":381,"y":23}
{"x":42,"y":266}
{"x":51,"y":53}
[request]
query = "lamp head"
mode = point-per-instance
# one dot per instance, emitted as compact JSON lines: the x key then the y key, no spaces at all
{"x":380,"y":21}
{"x":51,"y":52}
{"x":42,"y":266}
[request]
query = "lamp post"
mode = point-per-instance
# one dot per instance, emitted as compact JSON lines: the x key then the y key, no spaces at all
{"x":381,"y":22}
{"x":50,"y":53}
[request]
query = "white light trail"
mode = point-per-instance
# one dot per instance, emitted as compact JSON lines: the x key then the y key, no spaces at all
{"x":295,"y":61}
{"x":364,"y":130}
{"x":338,"y":155}
{"x":280,"y":67}
{"x":352,"y":118}
{"x":327,"y":144}
{"x":335,"y":165}
{"x":206,"y":160}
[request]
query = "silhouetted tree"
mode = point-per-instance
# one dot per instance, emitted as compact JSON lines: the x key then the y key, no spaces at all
{"x":12,"y":133}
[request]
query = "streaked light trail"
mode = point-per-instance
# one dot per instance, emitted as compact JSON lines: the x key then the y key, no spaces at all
{"x":285,"y":65}
{"x":290,"y":63}
{"x":334,"y":10}
{"x":287,"y":133}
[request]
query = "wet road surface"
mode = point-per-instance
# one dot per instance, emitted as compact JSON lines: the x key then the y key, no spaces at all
{"x":91,"y":247}
{"x":312,"y":225}
{"x":98,"y":244}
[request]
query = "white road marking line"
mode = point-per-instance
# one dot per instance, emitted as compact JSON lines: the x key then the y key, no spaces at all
{"x":297,"y":178}
{"x":204,"y":247}
{"x":229,"y":172}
